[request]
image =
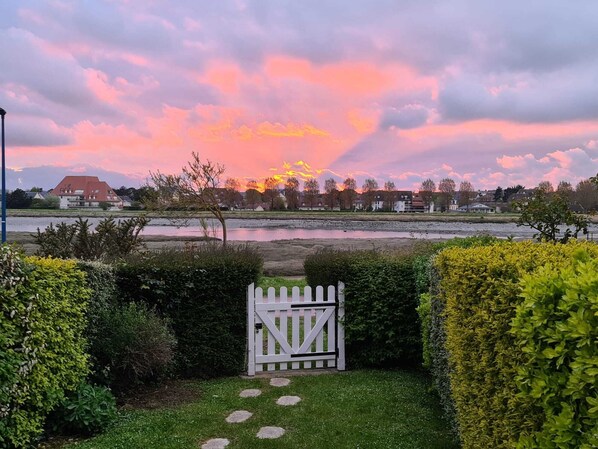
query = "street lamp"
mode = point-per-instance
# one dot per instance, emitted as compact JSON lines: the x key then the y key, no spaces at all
{"x":2,"y":114}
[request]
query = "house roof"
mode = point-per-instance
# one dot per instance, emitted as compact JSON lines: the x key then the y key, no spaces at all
{"x":90,"y":187}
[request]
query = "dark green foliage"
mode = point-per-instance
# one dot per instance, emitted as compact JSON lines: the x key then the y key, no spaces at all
{"x":381,"y":323}
{"x":130,"y":345}
{"x":111,"y":239}
{"x":86,"y":411}
{"x":556,"y":327}
{"x":547,"y":214}
{"x":203,"y":294}
{"x":42,"y":304}
{"x":18,"y":199}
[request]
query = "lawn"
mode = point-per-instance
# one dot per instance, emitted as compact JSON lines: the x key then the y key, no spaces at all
{"x":360,"y":409}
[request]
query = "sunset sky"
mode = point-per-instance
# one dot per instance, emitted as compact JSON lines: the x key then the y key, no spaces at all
{"x":497,"y":93}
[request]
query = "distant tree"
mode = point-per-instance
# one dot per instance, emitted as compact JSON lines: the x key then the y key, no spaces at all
{"x":232,"y":196}
{"x":271,"y":190}
{"x":498,"y":194}
{"x":466,"y":194}
{"x":446,"y":188}
{"x":547,"y":214}
{"x":18,"y":199}
{"x":291,"y":193}
{"x":368,"y":192}
{"x":36,"y":189}
{"x":194,"y":189}
{"x":565,"y":190}
{"x":349,"y":193}
{"x":586,"y":196}
{"x":144,"y":194}
{"x":510,"y":191}
{"x":253,"y":197}
{"x":426,"y":191}
{"x":390,"y":195}
{"x":546,"y":187}
{"x":311,"y":190}
{"x":105,"y":205}
{"x":331,"y":190}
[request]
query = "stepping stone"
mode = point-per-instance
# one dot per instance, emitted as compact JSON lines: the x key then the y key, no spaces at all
{"x":270,"y":433}
{"x":251,"y":393}
{"x":215,"y":443}
{"x":279,"y":382}
{"x":288,"y":400}
{"x":238,"y":416}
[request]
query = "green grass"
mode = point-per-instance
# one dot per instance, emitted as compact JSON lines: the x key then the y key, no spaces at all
{"x":361,"y":409}
{"x":265,"y":282}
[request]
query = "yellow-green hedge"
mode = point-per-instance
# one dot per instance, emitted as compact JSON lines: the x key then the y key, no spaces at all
{"x":480,"y":289}
{"x":42,"y":304}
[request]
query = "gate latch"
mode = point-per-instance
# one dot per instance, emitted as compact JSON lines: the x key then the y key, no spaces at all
{"x":258,"y":326}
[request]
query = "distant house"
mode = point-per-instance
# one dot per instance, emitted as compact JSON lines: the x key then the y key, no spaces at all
{"x":477,"y":208}
{"x":36,"y":195}
{"x":82,"y":192}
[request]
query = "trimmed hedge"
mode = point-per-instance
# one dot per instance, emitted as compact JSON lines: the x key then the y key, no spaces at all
{"x":556,"y":328}
{"x":203,"y":294}
{"x":381,"y":322}
{"x":42,"y":349}
{"x":479,"y":288}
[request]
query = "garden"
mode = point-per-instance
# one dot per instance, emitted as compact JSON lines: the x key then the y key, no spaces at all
{"x":472,"y":343}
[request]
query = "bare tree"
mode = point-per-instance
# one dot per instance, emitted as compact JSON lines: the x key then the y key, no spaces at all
{"x":311,"y":190}
{"x":390,"y":195}
{"x":291,"y":193}
{"x":447,"y":192}
{"x":331,"y":190}
{"x":232,"y":196}
{"x":369,"y":191}
{"x":586,"y":196}
{"x":565,"y":190}
{"x":252,"y":195}
{"x":466,"y":194}
{"x":426,"y":191}
{"x":546,"y":187}
{"x":195,"y":189}
{"x":349,"y":193}
{"x":271,"y":191}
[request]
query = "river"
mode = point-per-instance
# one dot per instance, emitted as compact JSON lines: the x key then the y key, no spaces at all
{"x":269,"y":230}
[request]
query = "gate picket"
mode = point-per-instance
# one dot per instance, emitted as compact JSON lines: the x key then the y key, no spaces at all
{"x":307,"y":315}
{"x":319,"y":313}
{"x":271,"y":315}
{"x":295,"y":325}
{"x":284,"y":330}
{"x":331,"y":328}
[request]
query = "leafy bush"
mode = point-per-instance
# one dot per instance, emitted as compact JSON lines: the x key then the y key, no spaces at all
{"x":203,"y":294}
{"x":42,"y":349}
{"x":86,"y":411}
{"x":130,"y":345}
{"x":556,"y":328}
{"x":479,"y":290}
{"x":381,"y":322}
{"x":110,"y":241}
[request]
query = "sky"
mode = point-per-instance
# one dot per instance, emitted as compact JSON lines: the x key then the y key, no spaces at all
{"x":496,"y":93}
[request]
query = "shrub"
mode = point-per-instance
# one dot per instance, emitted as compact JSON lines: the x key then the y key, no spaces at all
{"x":556,"y":328}
{"x":41,"y":341}
{"x":381,"y":322}
{"x":203,"y":294}
{"x":131,"y":345}
{"x":479,"y":289}
{"x":86,"y":411}
{"x":110,"y":241}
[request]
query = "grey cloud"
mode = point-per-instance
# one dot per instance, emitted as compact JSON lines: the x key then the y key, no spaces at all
{"x":404,"y":118}
{"x":33,"y":132}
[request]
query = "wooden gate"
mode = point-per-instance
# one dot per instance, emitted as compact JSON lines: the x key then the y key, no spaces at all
{"x":297,"y":331}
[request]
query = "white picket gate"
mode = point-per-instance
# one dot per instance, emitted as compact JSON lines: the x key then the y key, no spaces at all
{"x":297,"y":331}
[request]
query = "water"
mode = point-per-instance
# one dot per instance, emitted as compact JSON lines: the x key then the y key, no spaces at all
{"x":268,"y":229}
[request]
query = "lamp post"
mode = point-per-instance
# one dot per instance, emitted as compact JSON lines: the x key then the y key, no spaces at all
{"x":2,"y":114}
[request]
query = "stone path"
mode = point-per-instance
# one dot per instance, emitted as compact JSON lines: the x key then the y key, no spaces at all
{"x":239,"y":416}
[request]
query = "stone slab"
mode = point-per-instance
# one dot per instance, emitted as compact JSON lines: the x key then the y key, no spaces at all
{"x":250,"y":393}
{"x":288,"y":400}
{"x":270,"y":433}
{"x":215,"y":443}
{"x":238,"y":416}
{"x":279,"y":382}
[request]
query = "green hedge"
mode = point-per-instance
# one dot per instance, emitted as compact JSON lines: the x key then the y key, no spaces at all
{"x":203,"y":294}
{"x":42,"y":349}
{"x":556,"y":328}
{"x":479,"y":289}
{"x":381,"y":322}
